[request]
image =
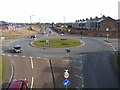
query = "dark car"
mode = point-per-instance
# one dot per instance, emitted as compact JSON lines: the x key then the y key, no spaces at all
{"x":20,"y":84}
{"x":33,"y":36}
{"x":17,"y":48}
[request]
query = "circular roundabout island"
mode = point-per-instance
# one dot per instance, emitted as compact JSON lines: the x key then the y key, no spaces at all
{"x":57,"y":42}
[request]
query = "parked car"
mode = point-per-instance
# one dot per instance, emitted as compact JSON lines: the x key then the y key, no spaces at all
{"x":20,"y":84}
{"x":17,"y":48}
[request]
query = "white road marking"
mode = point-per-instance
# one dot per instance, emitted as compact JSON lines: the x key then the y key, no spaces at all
{"x":23,"y":56}
{"x":3,"y":54}
{"x":32,"y":83}
{"x":78,"y":76}
{"x":76,"y":61}
{"x":112,"y":47}
{"x":9,"y":55}
{"x":31,"y":62}
{"x":38,"y":57}
{"x":16,"y":55}
{"x":82,"y":85}
{"x":83,"y":43}
{"x":46,"y":58}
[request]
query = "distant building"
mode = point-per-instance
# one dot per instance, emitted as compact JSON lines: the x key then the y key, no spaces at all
{"x":96,"y":23}
{"x":11,"y":26}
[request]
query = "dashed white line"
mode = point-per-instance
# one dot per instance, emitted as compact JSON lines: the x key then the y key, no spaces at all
{"x":38,"y":57}
{"x":78,"y":76}
{"x":32,"y":83}
{"x":9,"y":55}
{"x":82,"y":85}
{"x":46,"y":58}
{"x":23,"y":56}
{"x":31,"y":62}
{"x":3,"y":54}
{"x":15,"y":55}
{"x":112,"y":47}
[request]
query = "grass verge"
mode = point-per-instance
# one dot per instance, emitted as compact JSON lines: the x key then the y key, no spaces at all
{"x":57,"y":43}
{"x":20,"y":33}
{"x":2,"y":68}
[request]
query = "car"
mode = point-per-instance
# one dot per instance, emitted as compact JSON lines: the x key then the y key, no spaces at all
{"x":33,"y":36}
{"x":20,"y":84}
{"x":17,"y":48}
{"x":43,"y":32}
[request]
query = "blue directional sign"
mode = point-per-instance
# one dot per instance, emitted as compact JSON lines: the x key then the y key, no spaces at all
{"x":66,"y":83}
{"x":46,"y":41}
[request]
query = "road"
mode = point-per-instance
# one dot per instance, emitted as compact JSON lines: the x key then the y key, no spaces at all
{"x":90,"y":65}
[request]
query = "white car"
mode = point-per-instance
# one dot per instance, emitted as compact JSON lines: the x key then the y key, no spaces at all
{"x":17,"y":48}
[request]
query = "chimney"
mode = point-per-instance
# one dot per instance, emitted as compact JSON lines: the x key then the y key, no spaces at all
{"x":103,"y":16}
{"x":96,"y":17}
{"x":90,"y":18}
{"x":86,"y":18}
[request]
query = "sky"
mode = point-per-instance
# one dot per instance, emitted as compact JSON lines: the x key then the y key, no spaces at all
{"x":47,"y":11}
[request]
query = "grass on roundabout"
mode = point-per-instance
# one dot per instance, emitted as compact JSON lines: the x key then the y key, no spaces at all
{"x":57,"y":42}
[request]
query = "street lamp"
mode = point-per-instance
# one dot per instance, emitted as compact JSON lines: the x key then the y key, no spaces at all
{"x":107,"y":29}
{"x":31,"y":18}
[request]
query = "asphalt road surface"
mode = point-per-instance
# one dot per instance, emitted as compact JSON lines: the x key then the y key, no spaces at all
{"x":90,"y":65}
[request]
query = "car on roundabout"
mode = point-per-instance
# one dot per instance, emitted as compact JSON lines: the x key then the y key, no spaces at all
{"x":17,"y":49}
{"x":34,"y":36}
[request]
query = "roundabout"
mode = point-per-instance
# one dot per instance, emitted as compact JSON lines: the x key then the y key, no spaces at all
{"x":57,"y":42}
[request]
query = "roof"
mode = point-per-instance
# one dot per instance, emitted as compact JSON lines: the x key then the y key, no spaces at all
{"x":94,"y":20}
{"x":15,"y":84}
{"x":17,"y":46}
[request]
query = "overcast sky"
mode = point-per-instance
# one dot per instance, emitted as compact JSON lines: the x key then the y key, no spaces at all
{"x":56,"y":10}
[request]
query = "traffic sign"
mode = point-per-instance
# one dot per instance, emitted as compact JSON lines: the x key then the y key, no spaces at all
{"x":66,"y":74}
{"x":46,"y":41}
{"x":66,"y":83}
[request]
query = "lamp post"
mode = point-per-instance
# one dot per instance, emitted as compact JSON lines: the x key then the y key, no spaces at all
{"x":31,"y":18}
{"x":107,"y":29}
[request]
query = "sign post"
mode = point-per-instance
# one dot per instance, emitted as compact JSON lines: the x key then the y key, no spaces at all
{"x":66,"y":82}
{"x":68,"y":52}
{"x":47,"y":42}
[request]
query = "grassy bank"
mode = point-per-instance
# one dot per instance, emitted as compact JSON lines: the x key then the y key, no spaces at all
{"x":57,"y":42}
{"x":2,"y":67}
{"x":19,"y":33}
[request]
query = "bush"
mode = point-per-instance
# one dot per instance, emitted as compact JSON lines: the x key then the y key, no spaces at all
{"x":64,"y":44}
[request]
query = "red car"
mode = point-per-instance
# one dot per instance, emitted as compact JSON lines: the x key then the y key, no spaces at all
{"x":20,"y":84}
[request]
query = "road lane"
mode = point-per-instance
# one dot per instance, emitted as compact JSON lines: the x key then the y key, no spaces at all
{"x":22,"y":68}
{"x":95,"y":64}
{"x":38,"y":77}
{"x":42,"y":74}
{"x":31,"y":62}
{"x":59,"y":65}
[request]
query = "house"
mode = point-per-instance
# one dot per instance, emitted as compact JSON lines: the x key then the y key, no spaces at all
{"x":96,"y":23}
{"x":3,"y":25}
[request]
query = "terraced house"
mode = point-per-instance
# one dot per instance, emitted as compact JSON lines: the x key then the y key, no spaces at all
{"x":97,"y":26}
